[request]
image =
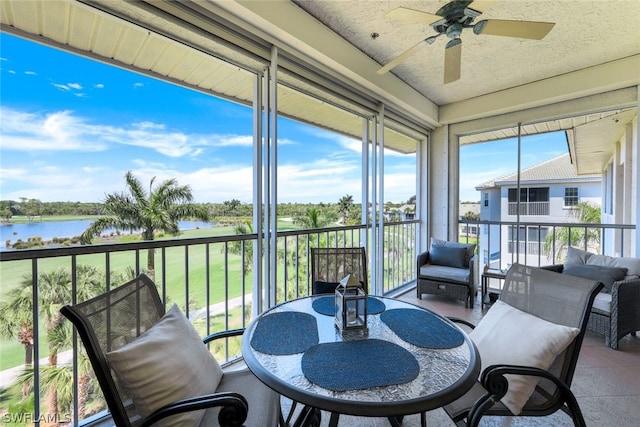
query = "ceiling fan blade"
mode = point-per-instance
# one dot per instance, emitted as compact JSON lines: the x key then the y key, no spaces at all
{"x":521,"y":29}
{"x":413,"y":16}
{"x":452,"y":57}
{"x":483,"y":5}
{"x":403,"y":56}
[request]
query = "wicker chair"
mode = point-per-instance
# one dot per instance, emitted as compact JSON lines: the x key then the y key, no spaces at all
{"x":615,"y":314}
{"x":558,"y":302}
{"x":126,"y":316}
{"x":330,"y":265}
{"x":455,"y":280}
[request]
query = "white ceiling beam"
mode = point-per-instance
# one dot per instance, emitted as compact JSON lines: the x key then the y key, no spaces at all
{"x":602,"y":78}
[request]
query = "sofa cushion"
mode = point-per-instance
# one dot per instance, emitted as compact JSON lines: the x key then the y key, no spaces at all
{"x":449,"y":256}
{"x":606,"y":275}
{"x":470,"y":248}
{"x":451,"y":274}
{"x":168,"y":362}
{"x":506,"y":335}
{"x":602,"y":302}
{"x":577,"y":256}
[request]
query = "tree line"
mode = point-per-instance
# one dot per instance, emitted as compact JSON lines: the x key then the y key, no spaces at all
{"x":344,"y":210}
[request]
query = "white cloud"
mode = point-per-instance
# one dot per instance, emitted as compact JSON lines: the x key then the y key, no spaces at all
{"x":58,"y":131}
{"x":233,"y":140}
{"x":63,"y":130}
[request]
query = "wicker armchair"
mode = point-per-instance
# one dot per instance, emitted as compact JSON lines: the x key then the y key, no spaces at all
{"x":615,"y":314}
{"x":450,"y":273}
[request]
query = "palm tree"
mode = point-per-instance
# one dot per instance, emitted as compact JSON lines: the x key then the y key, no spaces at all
{"x":586,"y":213}
{"x":312,"y":218}
{"x":16,"y":319}
{"x":54,"y":290}
{"x":159,"y":210}
{"x":344,"y":205}
{"x":236,"y":246}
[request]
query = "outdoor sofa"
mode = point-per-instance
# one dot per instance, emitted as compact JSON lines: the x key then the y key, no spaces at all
{"x":616,"y":309}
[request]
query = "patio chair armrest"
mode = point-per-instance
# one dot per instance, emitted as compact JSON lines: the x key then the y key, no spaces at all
{"x":553,"y":267}
{"x":472,"y":270}
{"x":625,"y":299}
{"x":423,"y":258}
{"x":494,"y":381}
{"x":233,"y":412}
{"x":462,"y":321}
{"x":223,"y":334}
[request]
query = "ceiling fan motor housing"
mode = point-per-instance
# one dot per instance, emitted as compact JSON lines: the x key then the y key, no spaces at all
{"x":456,"y":17}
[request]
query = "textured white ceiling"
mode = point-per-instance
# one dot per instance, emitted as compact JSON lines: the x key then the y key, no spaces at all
{"x":587,"y":33}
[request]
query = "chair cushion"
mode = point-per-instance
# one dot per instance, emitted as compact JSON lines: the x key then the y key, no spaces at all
{"x":451,"y":274}
{"x":577,"y":256}
{"x":470,"y":247}
{"x":449,"y":256}
{"x":602,"y":302}
{"x":263,"y":402}
{"x":166,"y":363}
{"x":506,"y":335}
{"x":606,"y":275}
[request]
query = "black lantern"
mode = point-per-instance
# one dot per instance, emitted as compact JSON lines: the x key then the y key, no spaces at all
{"x":351,"y":305}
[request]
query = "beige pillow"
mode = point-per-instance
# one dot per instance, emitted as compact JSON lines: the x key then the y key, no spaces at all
{"x":508,"y":336}
{"x":168,"y":362}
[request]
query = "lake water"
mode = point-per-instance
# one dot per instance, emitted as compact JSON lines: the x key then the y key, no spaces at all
{"x":47,"y":230}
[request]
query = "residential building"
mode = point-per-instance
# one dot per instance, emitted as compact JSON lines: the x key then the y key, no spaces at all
{"x":549,"y":193}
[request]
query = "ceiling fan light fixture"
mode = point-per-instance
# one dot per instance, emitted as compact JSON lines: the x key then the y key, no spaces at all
{"x":432,"y":39}
{"x":452,"y":43}
{"x":479,"y":26}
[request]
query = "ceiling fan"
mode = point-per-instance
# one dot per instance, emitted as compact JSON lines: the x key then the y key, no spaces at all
{"x":451,"y":19}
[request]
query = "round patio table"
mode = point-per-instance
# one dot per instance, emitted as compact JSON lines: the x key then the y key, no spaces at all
{"x":443,"y":363}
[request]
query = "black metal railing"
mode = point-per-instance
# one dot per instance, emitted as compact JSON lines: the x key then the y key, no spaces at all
{"x":210,"y":278}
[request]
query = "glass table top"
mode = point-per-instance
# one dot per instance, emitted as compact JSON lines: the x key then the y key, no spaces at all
{"x":444,"y":373}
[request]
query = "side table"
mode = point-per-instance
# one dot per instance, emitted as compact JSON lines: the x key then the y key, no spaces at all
{"x":488,"y":274}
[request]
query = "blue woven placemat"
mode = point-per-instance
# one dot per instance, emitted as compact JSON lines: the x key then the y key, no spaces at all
{"x":283,"y":333}
{"x":327,"y":305}
{"x":421,"y":328}
{"x":356,"y":365}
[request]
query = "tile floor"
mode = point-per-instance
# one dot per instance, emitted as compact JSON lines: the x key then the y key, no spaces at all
{"x":606,"y":382}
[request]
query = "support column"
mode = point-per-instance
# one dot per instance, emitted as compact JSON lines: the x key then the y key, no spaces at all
{"x":257,"y":300}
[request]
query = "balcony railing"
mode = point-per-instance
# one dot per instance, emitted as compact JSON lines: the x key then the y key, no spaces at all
{"x":210,"y":278}
{"x":529,"y":208}
{"x":539,"y":243}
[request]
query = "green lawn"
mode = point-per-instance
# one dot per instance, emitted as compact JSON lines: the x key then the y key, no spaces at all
{"x":224,"y":279}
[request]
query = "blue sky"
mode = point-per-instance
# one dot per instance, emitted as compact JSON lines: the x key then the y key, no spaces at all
{"x":483,"y":162}
{"x":71,"y":127}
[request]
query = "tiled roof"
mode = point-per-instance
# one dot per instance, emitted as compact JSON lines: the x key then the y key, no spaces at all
{"x":557,"y":169}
